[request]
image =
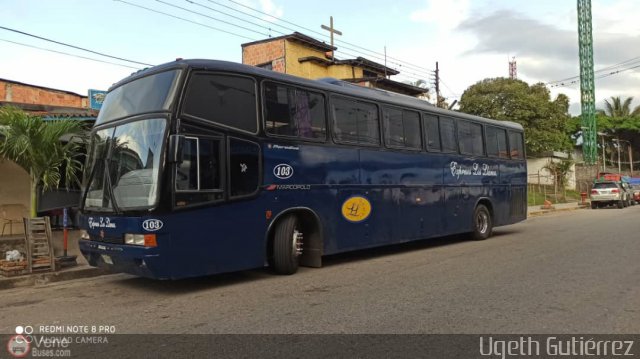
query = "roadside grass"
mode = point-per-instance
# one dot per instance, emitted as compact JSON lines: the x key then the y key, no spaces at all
{"x":537,"y":194}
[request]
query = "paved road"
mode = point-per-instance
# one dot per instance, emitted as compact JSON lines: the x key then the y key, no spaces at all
{"x":572,"y":272}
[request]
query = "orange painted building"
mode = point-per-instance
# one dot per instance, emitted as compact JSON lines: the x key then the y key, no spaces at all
{"x":300,"y":55}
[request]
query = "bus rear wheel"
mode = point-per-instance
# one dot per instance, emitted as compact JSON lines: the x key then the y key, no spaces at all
{"x":482,"y":224}
{"x":287,"y":245}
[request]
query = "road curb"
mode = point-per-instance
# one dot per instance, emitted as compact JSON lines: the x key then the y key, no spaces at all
{"x":547,"y":211}
{"x":51,"y":277}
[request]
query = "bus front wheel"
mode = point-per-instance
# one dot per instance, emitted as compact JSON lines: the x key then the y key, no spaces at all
{"x":482,"y":224}
{"x":287,"y":245}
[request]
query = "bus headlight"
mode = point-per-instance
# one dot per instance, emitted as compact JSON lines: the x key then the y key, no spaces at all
{"x":135,"y":239}
{"x":147,"y":240}
{"x":84,"y":235}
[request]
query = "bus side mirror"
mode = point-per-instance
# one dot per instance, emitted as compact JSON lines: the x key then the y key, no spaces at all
{"x":175,"y":148}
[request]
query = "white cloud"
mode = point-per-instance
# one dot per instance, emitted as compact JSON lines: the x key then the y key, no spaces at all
{"x":271,"y":8}
{"x":445,"y":15}
{"x":616,"y":17}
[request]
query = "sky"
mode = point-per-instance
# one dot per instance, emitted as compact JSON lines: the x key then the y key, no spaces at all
{"x":471,"y":40}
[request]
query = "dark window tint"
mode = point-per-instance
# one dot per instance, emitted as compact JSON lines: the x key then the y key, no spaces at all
{"x":355,"y":122}
{"x":448,"y":134}
{"x":209,"y":163}
{"x":199,"y":174}
{"x":244,"y":167}
{"x":470,"y":138}
{"x":187,"y":170}
{"x":294,"y":112}
{"x":516,"y":145}
{"x":432,"y":132}
{"x":402,"y":128}
{"x":226,"y":100}
{"x":496,"y":142}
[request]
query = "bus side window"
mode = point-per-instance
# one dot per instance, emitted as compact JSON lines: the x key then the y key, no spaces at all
{"x":432,"y":132}
{"x":515,"y":145}
{"x":470,"y":138}
{"x":496,"y":142}
{"x":199,"y":174}
{"x":224,"y":99}
{"x":448,"y":134}
{"x":401,"y":128}
{"x":355,"y":122}
{"x":187,"y":170}
{"x":294,"y":112}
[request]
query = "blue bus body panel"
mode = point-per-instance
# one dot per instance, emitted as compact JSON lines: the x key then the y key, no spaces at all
{"x":412,"y":196}
{"x":190,"y":243}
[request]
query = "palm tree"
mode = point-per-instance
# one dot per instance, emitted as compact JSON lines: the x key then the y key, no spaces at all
{"x":34,"y":144}
{"x":619,"y":108}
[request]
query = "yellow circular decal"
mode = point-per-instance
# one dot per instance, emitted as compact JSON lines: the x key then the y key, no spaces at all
{"x":356,"y":209}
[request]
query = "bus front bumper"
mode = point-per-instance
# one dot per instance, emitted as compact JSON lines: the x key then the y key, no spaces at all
{"x":118,"y":258}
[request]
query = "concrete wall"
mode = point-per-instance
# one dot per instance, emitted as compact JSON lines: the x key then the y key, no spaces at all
{"x":14,"y":189}
{"x":537,"y":174}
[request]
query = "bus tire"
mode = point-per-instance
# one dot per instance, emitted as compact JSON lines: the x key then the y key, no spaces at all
{"x":287,"y":245}
{"x":482,"y":223}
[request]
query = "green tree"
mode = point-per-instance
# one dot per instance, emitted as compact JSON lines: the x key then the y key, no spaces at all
{"x":35,"y":145}
{"x":618,"y":121}
{"x":503,"y":99}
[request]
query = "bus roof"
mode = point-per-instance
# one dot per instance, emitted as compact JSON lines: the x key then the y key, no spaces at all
{"x":326,"y":84}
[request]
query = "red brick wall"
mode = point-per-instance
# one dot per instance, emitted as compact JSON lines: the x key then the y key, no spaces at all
{"x":34,"y":95}
{"x":261,"y":53}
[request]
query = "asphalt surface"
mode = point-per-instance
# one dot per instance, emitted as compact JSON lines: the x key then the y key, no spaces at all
{"x":567,"y":272}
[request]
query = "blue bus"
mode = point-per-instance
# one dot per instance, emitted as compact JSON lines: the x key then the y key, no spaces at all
{"x":198,"y":167}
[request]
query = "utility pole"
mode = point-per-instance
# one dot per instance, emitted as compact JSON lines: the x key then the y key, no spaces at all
{"x":587,"y":87}
{"x":630,"y":160}
{"x":619,"y":163}
{"x":332,"y":31}
{"x":604,"y":160}
{"x":437,"y":72}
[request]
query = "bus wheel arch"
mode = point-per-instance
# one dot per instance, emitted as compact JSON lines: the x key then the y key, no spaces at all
{"x":483,"y":219}
{"x":309,"y":231}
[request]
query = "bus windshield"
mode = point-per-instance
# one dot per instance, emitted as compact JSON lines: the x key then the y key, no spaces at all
{"x":148,"y":94}
{"x":123,"y":166}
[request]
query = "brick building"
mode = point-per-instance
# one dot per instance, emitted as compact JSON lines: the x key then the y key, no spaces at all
{"x":300,"y":55}
{"x":41,"y":101}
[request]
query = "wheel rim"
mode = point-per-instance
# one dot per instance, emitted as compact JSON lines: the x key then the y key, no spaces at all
{"x":482,"y":222}
{"x":296,"y":242}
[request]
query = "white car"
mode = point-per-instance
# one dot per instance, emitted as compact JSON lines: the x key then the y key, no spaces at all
{"x":609,"y":192}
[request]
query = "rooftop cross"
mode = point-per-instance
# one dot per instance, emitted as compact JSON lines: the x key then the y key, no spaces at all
{"x":332,"y":31}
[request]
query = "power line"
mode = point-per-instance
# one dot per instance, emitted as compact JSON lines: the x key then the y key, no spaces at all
{"x":73,"y":46}
{"x":324,"y":35}
{"x":597,"y":77}
{"x":558,"y":83}
{"x":233,"y":16}
{"x":212,"y":18}
{"x":288,"y":28}
{"x":183,"y":19}
{"x":453,"y":94}
{"x":68,"y":54}
{"x":417,"y":75}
